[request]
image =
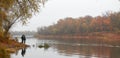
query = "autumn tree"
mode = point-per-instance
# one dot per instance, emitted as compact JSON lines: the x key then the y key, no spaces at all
{"x":19,"y":11}
{"x":115,"y":20}
{"x":84,"y":25}
{"x":4,"y":5}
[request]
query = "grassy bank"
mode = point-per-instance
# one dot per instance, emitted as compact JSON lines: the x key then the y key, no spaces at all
{"x":108,"y":35}
{"x":10,"y":46}
{"x":112,"y":38}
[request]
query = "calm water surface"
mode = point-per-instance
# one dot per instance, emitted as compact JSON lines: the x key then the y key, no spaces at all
{"x":66,"y":49}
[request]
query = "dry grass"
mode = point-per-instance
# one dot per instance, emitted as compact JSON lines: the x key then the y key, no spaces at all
{"x":11,"y":45}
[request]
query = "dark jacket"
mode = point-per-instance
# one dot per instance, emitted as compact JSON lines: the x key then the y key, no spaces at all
{"x":23,"y":37}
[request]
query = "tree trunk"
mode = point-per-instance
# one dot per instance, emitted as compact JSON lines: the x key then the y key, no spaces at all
{"x":6,"y":33}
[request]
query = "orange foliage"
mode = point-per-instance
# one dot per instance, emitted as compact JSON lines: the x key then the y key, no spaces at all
{"x":85,"y":24}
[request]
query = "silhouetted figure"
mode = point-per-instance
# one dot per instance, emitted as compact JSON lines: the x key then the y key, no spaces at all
{"x":23,"y":38}
{"x":23,"y":52}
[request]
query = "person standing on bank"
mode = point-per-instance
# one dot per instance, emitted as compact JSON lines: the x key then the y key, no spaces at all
{"x":23,"y":38}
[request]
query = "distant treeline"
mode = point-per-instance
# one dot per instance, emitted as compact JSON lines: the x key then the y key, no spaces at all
{"x":23,"y":32}
{"x":109,"y":22}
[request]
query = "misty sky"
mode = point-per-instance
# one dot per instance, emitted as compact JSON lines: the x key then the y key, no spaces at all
{"x":59,"y":9}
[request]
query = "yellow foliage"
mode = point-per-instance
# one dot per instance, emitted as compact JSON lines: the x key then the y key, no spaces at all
{"x":6,"y":3}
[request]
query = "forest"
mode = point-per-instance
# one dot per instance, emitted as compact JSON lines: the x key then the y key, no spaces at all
{"x":108,"y":22}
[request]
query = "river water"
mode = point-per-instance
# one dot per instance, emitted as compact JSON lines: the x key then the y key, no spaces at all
{"x":66,"y":49}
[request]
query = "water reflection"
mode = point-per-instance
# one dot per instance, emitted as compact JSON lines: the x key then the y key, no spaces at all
{"x":4,"y":54}
{"x":115,"y":53}
{"x":67,"y":49}
{"x":87,"y":51}
{"x":23,"y":51}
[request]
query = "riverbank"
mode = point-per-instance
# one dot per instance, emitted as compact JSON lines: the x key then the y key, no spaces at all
{"x":10,"y":46}
{"x":112,"y":38}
